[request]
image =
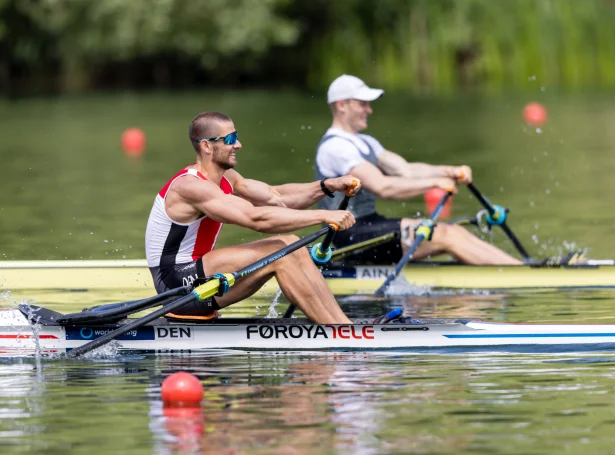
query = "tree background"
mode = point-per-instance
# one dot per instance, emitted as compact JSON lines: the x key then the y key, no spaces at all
{"x":411,"y":46}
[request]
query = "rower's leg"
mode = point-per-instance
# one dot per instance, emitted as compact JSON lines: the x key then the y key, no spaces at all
{"x":300,"y":280}
{"x":459,"y":243}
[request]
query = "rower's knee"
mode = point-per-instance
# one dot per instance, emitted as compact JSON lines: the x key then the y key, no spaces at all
{"x":283,"y":241}
{"x":443,"y":232}
{"x":289,"y":238}
{"x":449,"y":235}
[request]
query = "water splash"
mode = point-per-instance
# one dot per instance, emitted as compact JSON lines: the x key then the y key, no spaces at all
{"x":401,"y":286}
{"x":35,"y":327}
{"x":109,"y":350}
{"x":272,"y":311}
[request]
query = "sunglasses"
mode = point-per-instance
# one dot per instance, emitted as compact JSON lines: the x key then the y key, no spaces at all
{"x":229,"y":139}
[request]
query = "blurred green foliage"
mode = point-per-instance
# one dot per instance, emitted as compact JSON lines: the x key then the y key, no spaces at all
{"x":417,"y":46}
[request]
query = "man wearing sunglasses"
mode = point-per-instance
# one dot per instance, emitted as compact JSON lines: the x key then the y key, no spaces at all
{"x":384,"y":174}
{"x":189,"y":211}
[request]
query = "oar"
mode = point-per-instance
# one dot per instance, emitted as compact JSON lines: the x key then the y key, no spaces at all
{"x":123,"y":308}
{"x":364,"y":245}
{"x":497,"y":216}
{"x":321,"y":252}
{"x":423,"y":231}
{"x":218,"y":285}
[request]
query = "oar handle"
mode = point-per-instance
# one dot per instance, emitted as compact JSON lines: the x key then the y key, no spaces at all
{"x":321,"y":253}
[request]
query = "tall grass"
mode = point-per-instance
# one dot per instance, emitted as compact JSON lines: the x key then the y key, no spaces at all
{"x":424,"y":46}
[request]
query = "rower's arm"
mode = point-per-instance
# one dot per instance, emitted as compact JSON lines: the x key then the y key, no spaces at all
{"x":303,"y":195}
{"x":209,"y":199}
{"x":291,"y":195}
{"x":395,"y":187}
{"x":258,"y":193}
{"x":395,"y":165}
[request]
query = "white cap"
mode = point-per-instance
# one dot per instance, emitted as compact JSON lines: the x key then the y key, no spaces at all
{"x":348,"y":87}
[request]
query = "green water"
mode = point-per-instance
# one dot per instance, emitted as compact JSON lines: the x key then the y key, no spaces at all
{"x":69,"y":192}
{"x":530,"y":401}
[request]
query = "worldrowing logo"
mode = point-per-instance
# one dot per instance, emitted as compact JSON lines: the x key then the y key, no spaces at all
{"x":86,"y":333}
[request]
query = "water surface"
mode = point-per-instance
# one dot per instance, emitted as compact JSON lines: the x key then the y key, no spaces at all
{"x":429,"y":401}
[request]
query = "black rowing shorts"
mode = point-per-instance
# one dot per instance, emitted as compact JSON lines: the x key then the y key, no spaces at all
{"x":366,"y":228}
{"x":179,"y":275}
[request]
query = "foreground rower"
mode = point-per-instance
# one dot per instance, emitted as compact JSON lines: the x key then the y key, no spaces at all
{"x":189,"y":211}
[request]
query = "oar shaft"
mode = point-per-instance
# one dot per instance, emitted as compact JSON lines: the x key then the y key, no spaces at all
{"x":400,"y":265}
{"x":419,"y":237}
{"x":478,"y":195}
{"x":356,"y":247}
{"x":513,"y":238}
{"x":509,"y":233}
{"x":131,"y":326}
{"x":280,"y":254}
{"x":436,"y":213}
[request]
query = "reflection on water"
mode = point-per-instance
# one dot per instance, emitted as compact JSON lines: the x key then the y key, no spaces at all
{"x":326,"y":403}
{"x":314,"y":403}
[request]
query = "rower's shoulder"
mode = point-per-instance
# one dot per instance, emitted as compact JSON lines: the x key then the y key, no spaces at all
{"x":334,"y":143}
{"x":233,"y":177}
{"x":371,"y":140}
{"x":190,"y":186}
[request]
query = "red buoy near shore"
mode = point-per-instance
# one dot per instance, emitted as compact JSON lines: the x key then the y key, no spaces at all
{"x":534,"y":114}
{"x":133,"y":141}
{"x":181,"y":389}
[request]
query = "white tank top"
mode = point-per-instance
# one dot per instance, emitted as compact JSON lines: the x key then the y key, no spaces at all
{"x":168,"y":242}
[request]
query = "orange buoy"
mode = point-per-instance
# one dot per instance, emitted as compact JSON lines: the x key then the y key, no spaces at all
{"x":534,"y":114}
{"x":433,"y":197}
{"x":133,"y":141}
{"x":180,"y":389}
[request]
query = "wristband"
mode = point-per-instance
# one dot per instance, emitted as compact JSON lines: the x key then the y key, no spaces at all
{"x":325,"y":189}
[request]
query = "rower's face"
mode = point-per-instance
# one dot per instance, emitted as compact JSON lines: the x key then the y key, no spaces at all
{"x":356,"y":113}
{"x":225,"y":155}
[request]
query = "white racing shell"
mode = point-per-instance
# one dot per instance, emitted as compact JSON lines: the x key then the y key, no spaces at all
{"x":17,"y":337}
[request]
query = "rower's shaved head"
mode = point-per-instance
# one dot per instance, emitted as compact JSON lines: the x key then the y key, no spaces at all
{"x":205,"y":125}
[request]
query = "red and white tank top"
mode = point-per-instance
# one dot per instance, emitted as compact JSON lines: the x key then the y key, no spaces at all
{"x":168,"y":242}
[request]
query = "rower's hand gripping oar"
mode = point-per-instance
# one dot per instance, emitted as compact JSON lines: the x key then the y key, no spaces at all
{"x":497,"y":216}
{"x":321,"y":253}
{"x":424,"y":231}
{"x":218,"y":285}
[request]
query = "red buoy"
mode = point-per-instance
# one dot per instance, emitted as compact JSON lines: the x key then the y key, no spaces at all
{"x":534,"y":114}
{"x":432,"y":199}
{"x":181,"y":388}
{"x":133,"y":141}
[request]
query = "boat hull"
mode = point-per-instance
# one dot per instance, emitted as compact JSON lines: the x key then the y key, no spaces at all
{"x":133,"y":274}
{"x":18,"y":338}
